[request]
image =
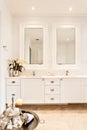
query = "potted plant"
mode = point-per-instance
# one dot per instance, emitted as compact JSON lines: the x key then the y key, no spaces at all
{"x":15,"y":67}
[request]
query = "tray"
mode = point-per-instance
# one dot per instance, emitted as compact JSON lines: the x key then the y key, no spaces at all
{"x":32,"y":125}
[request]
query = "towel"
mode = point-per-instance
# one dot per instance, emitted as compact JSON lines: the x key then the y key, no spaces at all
{"x":28,"y":118}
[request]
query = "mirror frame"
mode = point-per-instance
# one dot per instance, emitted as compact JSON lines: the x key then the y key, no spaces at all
{"x":77,"y":46}
{"x":45,"y":40}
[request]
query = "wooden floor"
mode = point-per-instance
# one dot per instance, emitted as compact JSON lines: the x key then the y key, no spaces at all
{"x":60,"y":117}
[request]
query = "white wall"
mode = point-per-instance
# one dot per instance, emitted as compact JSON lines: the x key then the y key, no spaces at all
{"x":5,"y":40}
{"x":6,"y":27}
{"x":81,"y":21}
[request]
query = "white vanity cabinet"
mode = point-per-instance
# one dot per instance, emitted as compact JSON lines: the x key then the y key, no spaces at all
{"x":85,"y":87}
{"x":47,"y":90}
{"x":52,"y":90}
{"x":72,"y":90}
{"x":12,"y":87}
{"x":32,"y":90}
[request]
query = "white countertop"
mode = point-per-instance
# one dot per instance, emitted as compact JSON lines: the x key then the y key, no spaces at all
{"x":52,"y":76}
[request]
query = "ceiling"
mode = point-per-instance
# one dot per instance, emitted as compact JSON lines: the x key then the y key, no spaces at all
{"x":47,"y":7}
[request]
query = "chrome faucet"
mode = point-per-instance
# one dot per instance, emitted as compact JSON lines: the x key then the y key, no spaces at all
{"x":67,"y":72}
{"x":34,"y":73}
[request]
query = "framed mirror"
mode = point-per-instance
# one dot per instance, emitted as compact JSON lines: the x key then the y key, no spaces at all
{"x":32,"y":44}
{"x":65,"y":45}
{"x":66,"y":50}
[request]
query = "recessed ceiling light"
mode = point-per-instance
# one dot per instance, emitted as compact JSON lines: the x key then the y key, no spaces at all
{"x":33,"y":8}
{"x":70,"y":9}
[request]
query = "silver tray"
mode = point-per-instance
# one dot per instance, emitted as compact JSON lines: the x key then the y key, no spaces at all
{"x":32,"y":125}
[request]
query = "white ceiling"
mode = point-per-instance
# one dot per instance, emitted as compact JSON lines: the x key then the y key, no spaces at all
{"x":47,"y":7}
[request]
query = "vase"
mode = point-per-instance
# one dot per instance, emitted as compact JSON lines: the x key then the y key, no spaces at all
{"x":15,"y":73}
{"x":11,"y":73}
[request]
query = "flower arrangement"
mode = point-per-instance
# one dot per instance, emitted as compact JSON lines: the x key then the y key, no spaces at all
{"x":16,"y":66}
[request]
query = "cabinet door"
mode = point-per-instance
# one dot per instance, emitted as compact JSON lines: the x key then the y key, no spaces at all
{"x":13,"y":90}
{"x":72,"y":91}
{"x":32,"y":91}
{"x":85,"y":85}
{"x":85,"y":94}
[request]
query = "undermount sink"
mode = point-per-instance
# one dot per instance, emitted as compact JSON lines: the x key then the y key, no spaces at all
{"x":65,"y":76}
{"x":29,"y":76}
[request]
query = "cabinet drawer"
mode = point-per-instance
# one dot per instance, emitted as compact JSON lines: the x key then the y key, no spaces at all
{"x":12,"y":90}
{"x":51,"y":98}
{"x":51,"y":89}
{"x":13,"y":81}
{"x":85,"y":82}
{"x":51,"y":81}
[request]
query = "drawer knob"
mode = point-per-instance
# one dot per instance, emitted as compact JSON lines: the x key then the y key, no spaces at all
{"x":51,"y":98}
{"x":13,"y":82}
{"x":42,"y":79}
{"x":52,"y":81}
{"x":51,"y":90}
